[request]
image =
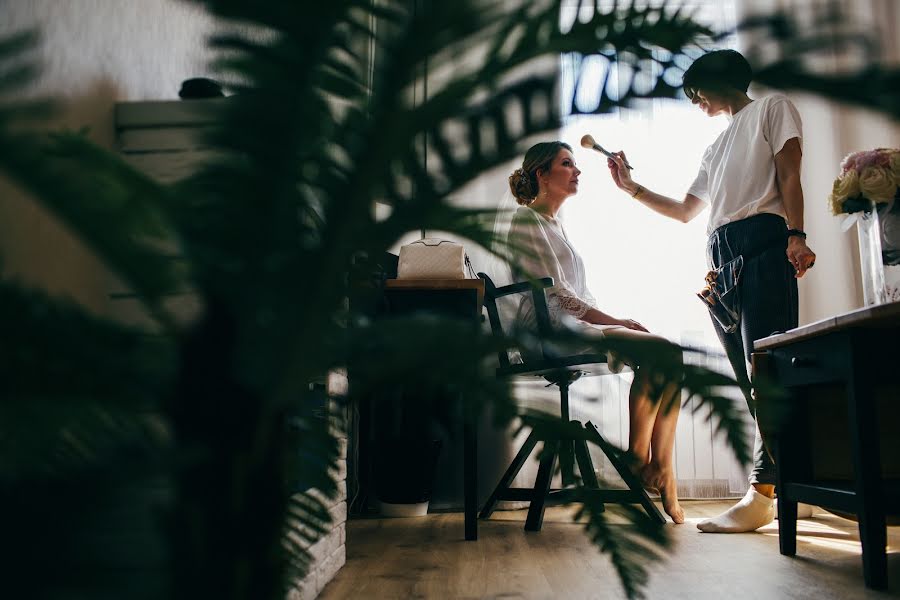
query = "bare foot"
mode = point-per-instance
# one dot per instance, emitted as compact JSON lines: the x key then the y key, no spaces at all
{"x":664,"y":480}
{"x":638,"y":468}
{"x":669,"y":495}
{"x":649,"y":478}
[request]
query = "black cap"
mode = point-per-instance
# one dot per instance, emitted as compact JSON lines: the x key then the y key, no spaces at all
{"x":199,"y":87}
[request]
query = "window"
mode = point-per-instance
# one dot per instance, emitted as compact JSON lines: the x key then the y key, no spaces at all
{"x":642,"y":265}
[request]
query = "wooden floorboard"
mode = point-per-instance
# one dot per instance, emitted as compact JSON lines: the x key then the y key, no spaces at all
{"x":426,"y":557}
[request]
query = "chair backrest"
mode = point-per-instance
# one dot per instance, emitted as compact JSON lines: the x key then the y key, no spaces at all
{"x":536,"y":289}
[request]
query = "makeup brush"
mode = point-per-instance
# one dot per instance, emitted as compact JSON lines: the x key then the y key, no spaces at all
{"x":588,"y":142}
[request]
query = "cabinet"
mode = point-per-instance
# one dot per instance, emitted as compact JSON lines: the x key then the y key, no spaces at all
{"x":461,"y":298}
{"x":834,"y":436}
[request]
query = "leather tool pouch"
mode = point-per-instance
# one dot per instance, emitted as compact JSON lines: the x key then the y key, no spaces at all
{"x":722,"y":294}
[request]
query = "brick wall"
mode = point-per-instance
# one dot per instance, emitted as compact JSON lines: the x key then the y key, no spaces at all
{"x":329,"y":553}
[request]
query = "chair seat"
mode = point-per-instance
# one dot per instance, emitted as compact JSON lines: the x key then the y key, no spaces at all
{"x":588,"y":364}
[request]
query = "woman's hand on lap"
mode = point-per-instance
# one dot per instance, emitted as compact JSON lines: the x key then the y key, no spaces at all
{"x":632,"y":324}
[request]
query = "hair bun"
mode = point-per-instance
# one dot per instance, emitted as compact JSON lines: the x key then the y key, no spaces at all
{"x":521,"y":186}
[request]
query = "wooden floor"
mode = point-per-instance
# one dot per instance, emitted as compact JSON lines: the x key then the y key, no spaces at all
{"x":426,"y":557}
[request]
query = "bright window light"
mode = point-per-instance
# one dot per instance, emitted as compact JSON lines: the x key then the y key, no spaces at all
{"x":641,"y":265}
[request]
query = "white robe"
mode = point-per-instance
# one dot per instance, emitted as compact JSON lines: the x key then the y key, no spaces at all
{"x":542,"y":249}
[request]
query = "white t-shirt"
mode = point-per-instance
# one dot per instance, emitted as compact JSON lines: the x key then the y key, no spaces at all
{"x":737,"y":173}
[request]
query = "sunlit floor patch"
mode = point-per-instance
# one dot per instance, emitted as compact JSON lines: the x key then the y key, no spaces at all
{"x":825,"y":531}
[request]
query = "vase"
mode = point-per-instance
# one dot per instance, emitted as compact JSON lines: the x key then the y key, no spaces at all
{"x":889,"y":220}
{"x":879,"y":252}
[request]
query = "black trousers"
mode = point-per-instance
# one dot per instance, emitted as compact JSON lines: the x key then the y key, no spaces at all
{"x":768,"y":302}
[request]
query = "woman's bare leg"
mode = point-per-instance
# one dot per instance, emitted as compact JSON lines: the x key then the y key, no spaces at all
{"x":661,"y":470}
{"x":642,"y":415}
{"x":651,"y":437}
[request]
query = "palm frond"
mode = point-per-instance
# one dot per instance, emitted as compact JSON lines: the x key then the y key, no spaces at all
{"x":866,"y":80}
{"x":118,"y":211}
{"x":57,"y":413}
{"x":266,"y":237}
{"x":306,"y":521}
{"x":632,"y":545}
{"x":18,"y":67}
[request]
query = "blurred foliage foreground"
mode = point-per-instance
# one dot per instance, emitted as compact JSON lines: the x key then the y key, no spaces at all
{"x":160,"y":463}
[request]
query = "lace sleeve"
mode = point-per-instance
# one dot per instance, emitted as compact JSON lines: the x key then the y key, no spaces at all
{"x":569,"y":302}
{"x":536,"y":258}
{"x":589,"y":298}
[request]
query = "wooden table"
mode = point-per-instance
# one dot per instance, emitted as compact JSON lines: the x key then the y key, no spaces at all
{"x":457,"y":297}
{"x":857,"y":352}
{"x":437,"y":285}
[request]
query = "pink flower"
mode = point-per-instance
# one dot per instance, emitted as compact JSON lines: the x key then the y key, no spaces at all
{"x":849,"y":162}
{"x":867,"y":176}
{"x":859,"y":161}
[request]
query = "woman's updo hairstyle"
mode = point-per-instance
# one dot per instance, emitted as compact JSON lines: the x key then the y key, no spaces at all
{"x":523,"y":182}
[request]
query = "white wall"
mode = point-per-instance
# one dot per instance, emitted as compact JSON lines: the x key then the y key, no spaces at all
{"x":94,"y":53}
{"x":98,"y":51}
{"x":831,"y":131}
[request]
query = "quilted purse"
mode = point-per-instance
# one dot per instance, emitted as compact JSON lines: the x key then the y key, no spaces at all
{"x":432,"y":258}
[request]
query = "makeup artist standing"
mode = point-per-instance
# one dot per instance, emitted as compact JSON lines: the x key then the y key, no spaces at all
{"x":750,"y":178}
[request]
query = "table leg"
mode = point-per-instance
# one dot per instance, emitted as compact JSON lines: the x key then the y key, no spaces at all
{"x":867,"y":466}
{"x":470,"y":477}
{"x":787,"y":526}
{"x":873,"y":536}
{"x":785,"y":456}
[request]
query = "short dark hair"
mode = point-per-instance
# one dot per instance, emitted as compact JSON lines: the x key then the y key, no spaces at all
{"x":718,"y":70}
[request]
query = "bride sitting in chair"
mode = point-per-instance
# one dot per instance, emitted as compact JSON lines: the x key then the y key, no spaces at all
{"x":547,"y":178}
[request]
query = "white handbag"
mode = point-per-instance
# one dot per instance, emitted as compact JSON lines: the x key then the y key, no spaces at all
{"x":432,"y":258}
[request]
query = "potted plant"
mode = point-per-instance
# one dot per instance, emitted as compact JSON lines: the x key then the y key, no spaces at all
{"x":93,"y":412}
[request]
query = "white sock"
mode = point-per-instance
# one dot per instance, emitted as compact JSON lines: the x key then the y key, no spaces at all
{"x":752,"y":512}
{"x":804,"y":511}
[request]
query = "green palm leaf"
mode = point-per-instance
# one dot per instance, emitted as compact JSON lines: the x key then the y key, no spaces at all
{"x":329,"y":117}
{"x":117,"y":211}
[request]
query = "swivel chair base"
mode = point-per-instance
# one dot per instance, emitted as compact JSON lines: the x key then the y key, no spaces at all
{"x":565,"y":449}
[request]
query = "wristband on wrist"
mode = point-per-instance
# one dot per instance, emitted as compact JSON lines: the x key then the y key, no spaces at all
{"x":638,"y":191}
{"x":798,"y":232}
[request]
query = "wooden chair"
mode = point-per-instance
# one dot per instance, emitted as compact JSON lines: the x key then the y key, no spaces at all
{"x":560,"y":371}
